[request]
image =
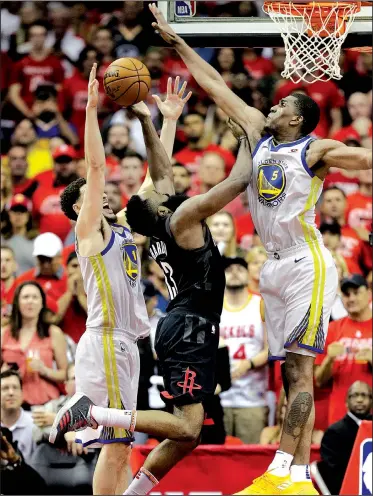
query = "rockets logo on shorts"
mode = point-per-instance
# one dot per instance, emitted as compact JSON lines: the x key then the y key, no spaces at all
{"x":271,"y":182}
{"x":365,"y":472}
{"x":185,"y":9}
{"x":130,"y":260}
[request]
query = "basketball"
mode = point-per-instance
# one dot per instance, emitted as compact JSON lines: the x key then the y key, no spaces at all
{"x":127,"y":81}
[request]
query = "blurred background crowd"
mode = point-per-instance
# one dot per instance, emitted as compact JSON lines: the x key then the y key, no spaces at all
{"x":48,"y":49}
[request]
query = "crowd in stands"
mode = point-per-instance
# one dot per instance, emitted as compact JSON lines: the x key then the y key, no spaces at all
{"x":48,"y":49}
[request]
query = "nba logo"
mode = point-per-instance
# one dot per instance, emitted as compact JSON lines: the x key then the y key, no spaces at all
{"x":365,"y":468}
{"x":185,"y":9}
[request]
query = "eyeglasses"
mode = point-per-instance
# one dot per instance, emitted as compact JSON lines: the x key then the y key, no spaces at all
{"x":365,"y":396}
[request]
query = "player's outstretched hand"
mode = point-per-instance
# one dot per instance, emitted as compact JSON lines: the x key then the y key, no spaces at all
{"x":236,"y":129}
{"x":161,"y":26}
{"x":172,"y":107}
{"x":140,"y":110}
{"x":92,"y":88}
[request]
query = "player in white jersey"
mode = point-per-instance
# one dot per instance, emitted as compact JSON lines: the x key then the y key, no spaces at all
{"x":241,"y":327}
{"x":299,"y":280}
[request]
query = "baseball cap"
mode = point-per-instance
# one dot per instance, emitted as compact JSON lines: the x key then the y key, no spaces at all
{"x":20,"y":200}
{"x":228,"y":261}
{"x":353,"y":281}
{"x":47,"y":245}
{"x":148,"y":289}
{"x":64,"y":151}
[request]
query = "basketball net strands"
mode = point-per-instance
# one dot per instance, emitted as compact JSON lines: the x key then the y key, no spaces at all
{"x":312,"y":32}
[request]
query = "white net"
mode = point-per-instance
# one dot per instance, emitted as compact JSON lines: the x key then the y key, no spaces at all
{"x":313,"y":35}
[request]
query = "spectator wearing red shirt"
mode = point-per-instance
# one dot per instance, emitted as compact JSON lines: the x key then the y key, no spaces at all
{"x":359,"y":107}
{"x":102,"y":41}
{"x":17,"y":160}
{"x":190,"y":156}
{"x":333,"y":209}
{"x":329,"y":99}
{"x":46,"y":200}
{"x":116,"y":147}
{"x":256,"y":65}
{"x":38,"y":67}
{"x":49,"y":272}
{"x":348,"y":349}
{"x":212,"y":171}
{"x":182,"y":179}
{"x":132,"y":173}
{"x":359,"y":205}
{"x":72,"y":305}
{"x":8,"y":276}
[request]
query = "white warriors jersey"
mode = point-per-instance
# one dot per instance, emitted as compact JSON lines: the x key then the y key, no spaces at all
{"x":243,"y":332}
{"x":112,"y":284}
{"x":282,"y":194}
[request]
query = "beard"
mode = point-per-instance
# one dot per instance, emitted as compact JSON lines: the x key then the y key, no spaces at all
{"x":236,"y":287}
{"x":119,"y":152}
{"x":65,"y":180}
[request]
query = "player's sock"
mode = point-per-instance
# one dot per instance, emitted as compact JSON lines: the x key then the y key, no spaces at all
{"x":281,"y":464}
{"x":300,"y":473}
{"x":143,"y":483}
{"x":112,"y":417}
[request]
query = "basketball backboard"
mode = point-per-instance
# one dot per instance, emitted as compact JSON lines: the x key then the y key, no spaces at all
{"x":204,"y":30}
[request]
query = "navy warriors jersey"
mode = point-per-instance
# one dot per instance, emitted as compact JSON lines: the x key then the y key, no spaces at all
{"x":195,"y":278}
{"x":112,"y":284}
{"x":283,"y":193}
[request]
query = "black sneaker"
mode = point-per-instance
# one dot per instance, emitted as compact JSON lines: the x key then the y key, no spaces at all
{"x":75,"y":415}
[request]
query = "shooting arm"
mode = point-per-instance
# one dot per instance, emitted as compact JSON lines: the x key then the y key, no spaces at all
{"x":200,"y":207}
{"x":336,"y":154}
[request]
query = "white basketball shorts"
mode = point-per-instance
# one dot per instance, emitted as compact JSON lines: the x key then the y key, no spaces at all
{"x":107,"y":367}
{"x":298,"y":286}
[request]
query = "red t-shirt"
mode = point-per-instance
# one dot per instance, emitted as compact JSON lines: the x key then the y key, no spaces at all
{"x":259,"y":67}
{"x":349,"y":132}
{"x":348,"y":185}
{"x":351,"y":249}
{"x":325,"y":93}
{"x":45,"y":179}
{"x":191,"y":158}
{"x":32,"y":73}
{"x":359,"y":210}
{"x":54,"y":286}
{"x":47,"y":211}
{"x":27,"y":188}
{"x":245,"y":231}
{"x":74,"y":96}
{"x":355,"y":336}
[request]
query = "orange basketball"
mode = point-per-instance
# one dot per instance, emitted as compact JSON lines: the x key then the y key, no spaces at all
{"x":127,"y":81}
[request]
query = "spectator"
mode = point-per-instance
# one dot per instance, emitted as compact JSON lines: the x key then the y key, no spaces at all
{"x":13,"y":416}
{"x":46,"y":200}
{"x":333,"y":209}
{"x":359,"y":107}
{"x":217,"y":129}
{"x":38,"y":348}
{"x":6,"y":188}
{"x":212,"y":171}
{"x":197,"y":145}
{"x":331,"y":235}
{"x":18,"y":164}
{"x":359,"y":205}
{"x":228,"y":62}
{"x":339,"y":438}
{"x":72,"y":305}
{"x":103,"y":42}
{"x":241,"y":327}
{"x":49,"y":271}
{"x":338,"y":309}
{"x":132,"y":173}
{"x":182,"y":179}
{"x":8,"y":273}
{"x":19,"y":233}
{"x":348,"y":348}
{"x":255,"y":260}
{"x":114,"y":196}
{"x":39,"y":157}
{"x":38,"y":67}
{"x":117,"y":146}
{"x":74,"y":94}
{"x":224,"y":233}
{"x":49,"y":122}
{"x":328,"y":97}
{"x":272,"y":434}
{"x":256,"y":65}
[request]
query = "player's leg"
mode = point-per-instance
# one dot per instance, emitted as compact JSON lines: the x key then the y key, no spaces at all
{"x":111,"y":474}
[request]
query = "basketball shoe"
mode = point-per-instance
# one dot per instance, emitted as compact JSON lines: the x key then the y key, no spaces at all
{"x":301,"y":488}
{"x":269,"y":484}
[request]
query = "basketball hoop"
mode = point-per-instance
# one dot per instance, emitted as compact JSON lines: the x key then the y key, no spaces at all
{"x":313,"y":34}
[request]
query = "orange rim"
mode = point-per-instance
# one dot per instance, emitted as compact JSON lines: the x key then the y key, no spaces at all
{"x":283,"y":7}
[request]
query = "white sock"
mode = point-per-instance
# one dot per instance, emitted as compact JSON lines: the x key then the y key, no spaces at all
{"x":143,"y":483}
{"x":281,"y":464}
{"x":112,"y":417}
{"x":300,"y":473}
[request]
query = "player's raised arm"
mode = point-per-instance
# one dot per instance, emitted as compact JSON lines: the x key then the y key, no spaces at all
{"x":333,"y":153}
{"x":251,"y":119}
{"x":90,"y":216}
{"x":198,"y":208}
